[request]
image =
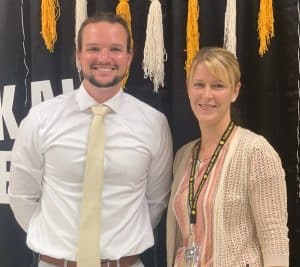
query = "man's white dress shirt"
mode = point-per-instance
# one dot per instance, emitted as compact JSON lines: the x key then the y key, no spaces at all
{"x":47,"y":170}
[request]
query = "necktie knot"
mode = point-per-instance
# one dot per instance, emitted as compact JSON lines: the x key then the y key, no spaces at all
{"x":100,"y":110}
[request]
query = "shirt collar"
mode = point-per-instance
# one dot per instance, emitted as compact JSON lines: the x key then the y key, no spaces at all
{"x":85,"y":101}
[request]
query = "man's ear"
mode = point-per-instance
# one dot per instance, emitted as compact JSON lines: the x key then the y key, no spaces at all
{"x":130,"y":57}
{"x":78,"y":65}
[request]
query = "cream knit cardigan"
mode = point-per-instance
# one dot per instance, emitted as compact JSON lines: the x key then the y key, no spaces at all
{"x":250,"y":210}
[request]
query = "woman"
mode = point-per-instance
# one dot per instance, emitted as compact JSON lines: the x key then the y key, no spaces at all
{"x":228,"y":199}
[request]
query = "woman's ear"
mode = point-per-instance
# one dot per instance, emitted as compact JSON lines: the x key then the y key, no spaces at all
{"x":236,"y":91}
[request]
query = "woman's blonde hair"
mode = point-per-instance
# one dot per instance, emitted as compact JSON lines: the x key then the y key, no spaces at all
{"x":220,"y":62}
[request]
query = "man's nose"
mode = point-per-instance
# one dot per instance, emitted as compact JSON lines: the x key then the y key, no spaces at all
{"x":103,"y":55}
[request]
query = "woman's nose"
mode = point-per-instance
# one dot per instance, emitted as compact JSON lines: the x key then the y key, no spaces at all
{"x":207,"y":91}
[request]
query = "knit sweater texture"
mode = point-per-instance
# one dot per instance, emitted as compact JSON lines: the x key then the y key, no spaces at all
{"x":250,"y":209}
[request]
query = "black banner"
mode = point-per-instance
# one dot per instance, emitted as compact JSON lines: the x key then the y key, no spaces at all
{"x":29,"y":74}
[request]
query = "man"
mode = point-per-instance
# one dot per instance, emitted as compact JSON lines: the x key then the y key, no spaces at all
{"x":48,"y":158}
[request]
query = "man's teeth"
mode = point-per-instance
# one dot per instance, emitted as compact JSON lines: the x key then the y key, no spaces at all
{"x":104,"y":68}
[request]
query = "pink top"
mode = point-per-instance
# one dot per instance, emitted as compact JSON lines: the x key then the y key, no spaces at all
{"x":203,"y":229}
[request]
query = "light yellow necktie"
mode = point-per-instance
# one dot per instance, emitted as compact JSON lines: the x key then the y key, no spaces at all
{"x":89,"y":240}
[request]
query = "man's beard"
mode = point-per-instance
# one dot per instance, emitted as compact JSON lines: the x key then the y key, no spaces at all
{"x":113,"y":82}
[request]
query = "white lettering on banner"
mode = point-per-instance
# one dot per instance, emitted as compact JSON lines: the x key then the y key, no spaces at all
{"x":5,"y":157}
{"x":67,"y":85}
{"x":40,"y":90}
{"x":6,"y":104}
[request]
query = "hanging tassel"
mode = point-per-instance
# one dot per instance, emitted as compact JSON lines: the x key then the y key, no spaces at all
{"x":265,"y":25}
{"x":154,"y":50}
{"x":123,"y":10}
{"x":80,"y":16}
{"x":50,"y":12}
{"x":230,"y":27}
{"x":192,"y":33}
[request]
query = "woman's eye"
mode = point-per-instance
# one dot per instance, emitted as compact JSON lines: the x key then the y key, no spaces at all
{"x":198,"y":85}
{"x":218,"y":86}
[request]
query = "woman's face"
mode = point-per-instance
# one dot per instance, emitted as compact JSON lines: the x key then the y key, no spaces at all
{"x":210,"y":97}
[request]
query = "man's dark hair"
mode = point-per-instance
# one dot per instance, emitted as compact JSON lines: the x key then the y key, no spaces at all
{"x":104,"y":17}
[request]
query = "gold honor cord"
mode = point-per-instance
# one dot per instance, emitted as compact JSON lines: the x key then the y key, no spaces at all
{"x":194,"y":198}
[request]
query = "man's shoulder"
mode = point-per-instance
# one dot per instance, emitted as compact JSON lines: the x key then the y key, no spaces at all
{"x":142,"y":107}
{"x":51,"y":109}
{"x":54,"y":103}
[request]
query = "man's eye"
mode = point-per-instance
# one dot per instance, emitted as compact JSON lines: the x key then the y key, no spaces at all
{"x":93,"y":49}
{"x":115,"y":49}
